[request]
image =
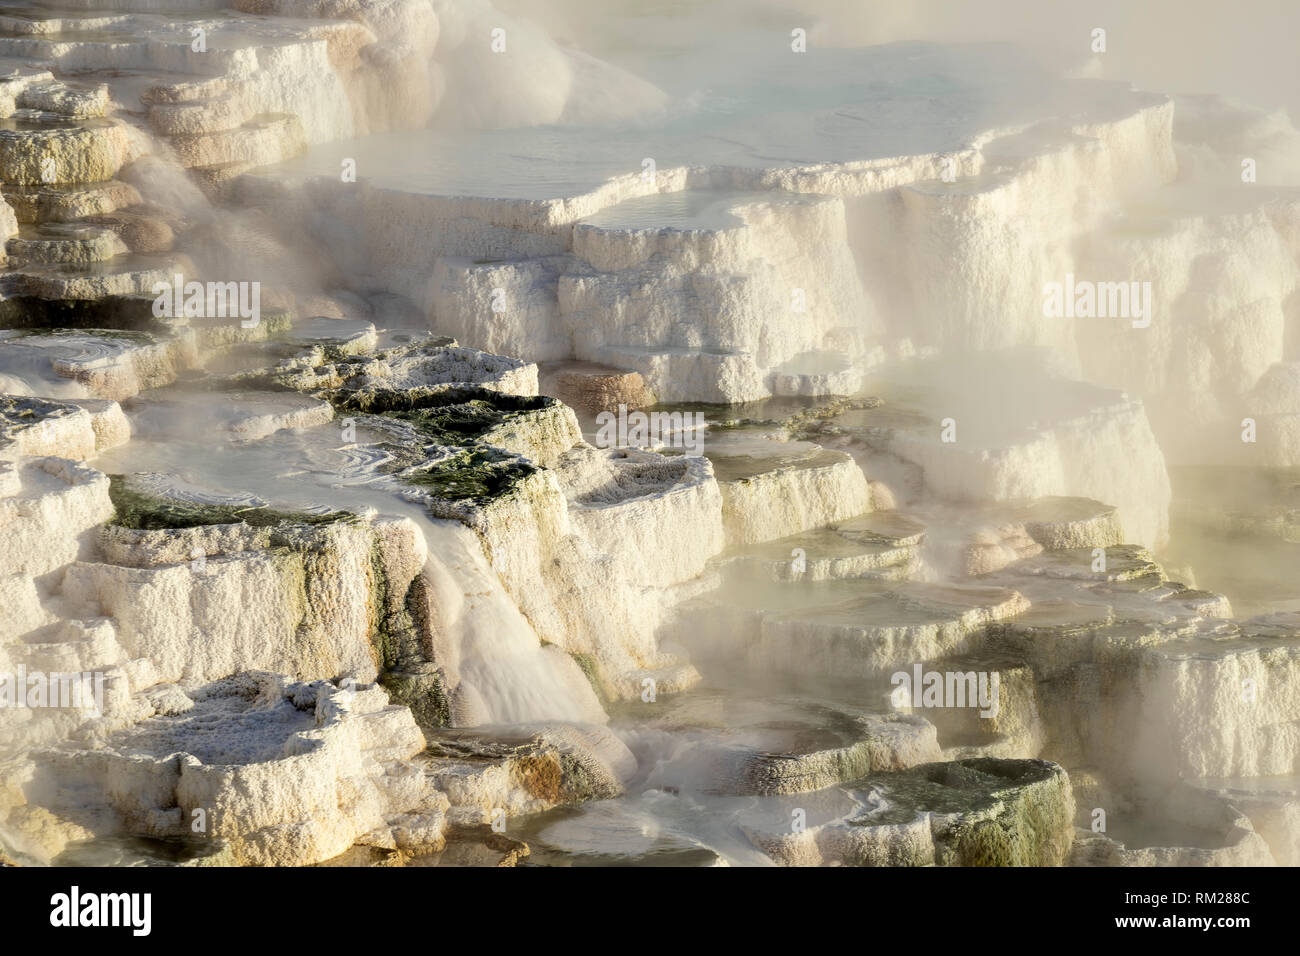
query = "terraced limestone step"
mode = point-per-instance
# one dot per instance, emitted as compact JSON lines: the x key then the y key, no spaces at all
{"x":634,"y":502}
{"x":589,"y":387}
{"x":291,"y":747}
{"x":743,"y":254}
{"x":124,"y":275}
{"x":171,"y":537}
{"x":100,"y":363}
{"x":1271,"y":804}
{"x":682,"y":284}
{"x":525,"y":769}
{"x":1160,"y":698}
{"x":64,"y":203}
{"x":335,"y":338}
{"x":1195,"y":827}
{"x":1239,"y":528}
{"x":60,"y":151}
{"x":262,"y":140}
{"x":66,"y":244}
{"x":978,"y":812}
{"x":174,"y":413}
{"x":740,"y":743}
{"x":772,"y":489}
{"x":880,"y":546}
{"x":425,"y":363}
{"x":839,"y":630}
{"x":74,"y":429}
{"x":999,"y":428}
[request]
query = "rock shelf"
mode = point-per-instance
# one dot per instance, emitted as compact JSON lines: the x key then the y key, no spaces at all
{"x":358,"y":579}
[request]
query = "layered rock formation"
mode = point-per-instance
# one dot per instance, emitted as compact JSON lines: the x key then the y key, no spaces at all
{"x":351,"y":573}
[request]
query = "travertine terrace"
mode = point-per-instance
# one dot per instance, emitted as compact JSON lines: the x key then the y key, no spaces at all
{"x":312,"y":319}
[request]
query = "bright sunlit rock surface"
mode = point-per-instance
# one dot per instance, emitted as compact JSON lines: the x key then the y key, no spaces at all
{"x":487,"y":432}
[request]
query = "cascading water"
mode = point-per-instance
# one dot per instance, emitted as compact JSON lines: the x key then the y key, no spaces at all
{"x":506,"y":676}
